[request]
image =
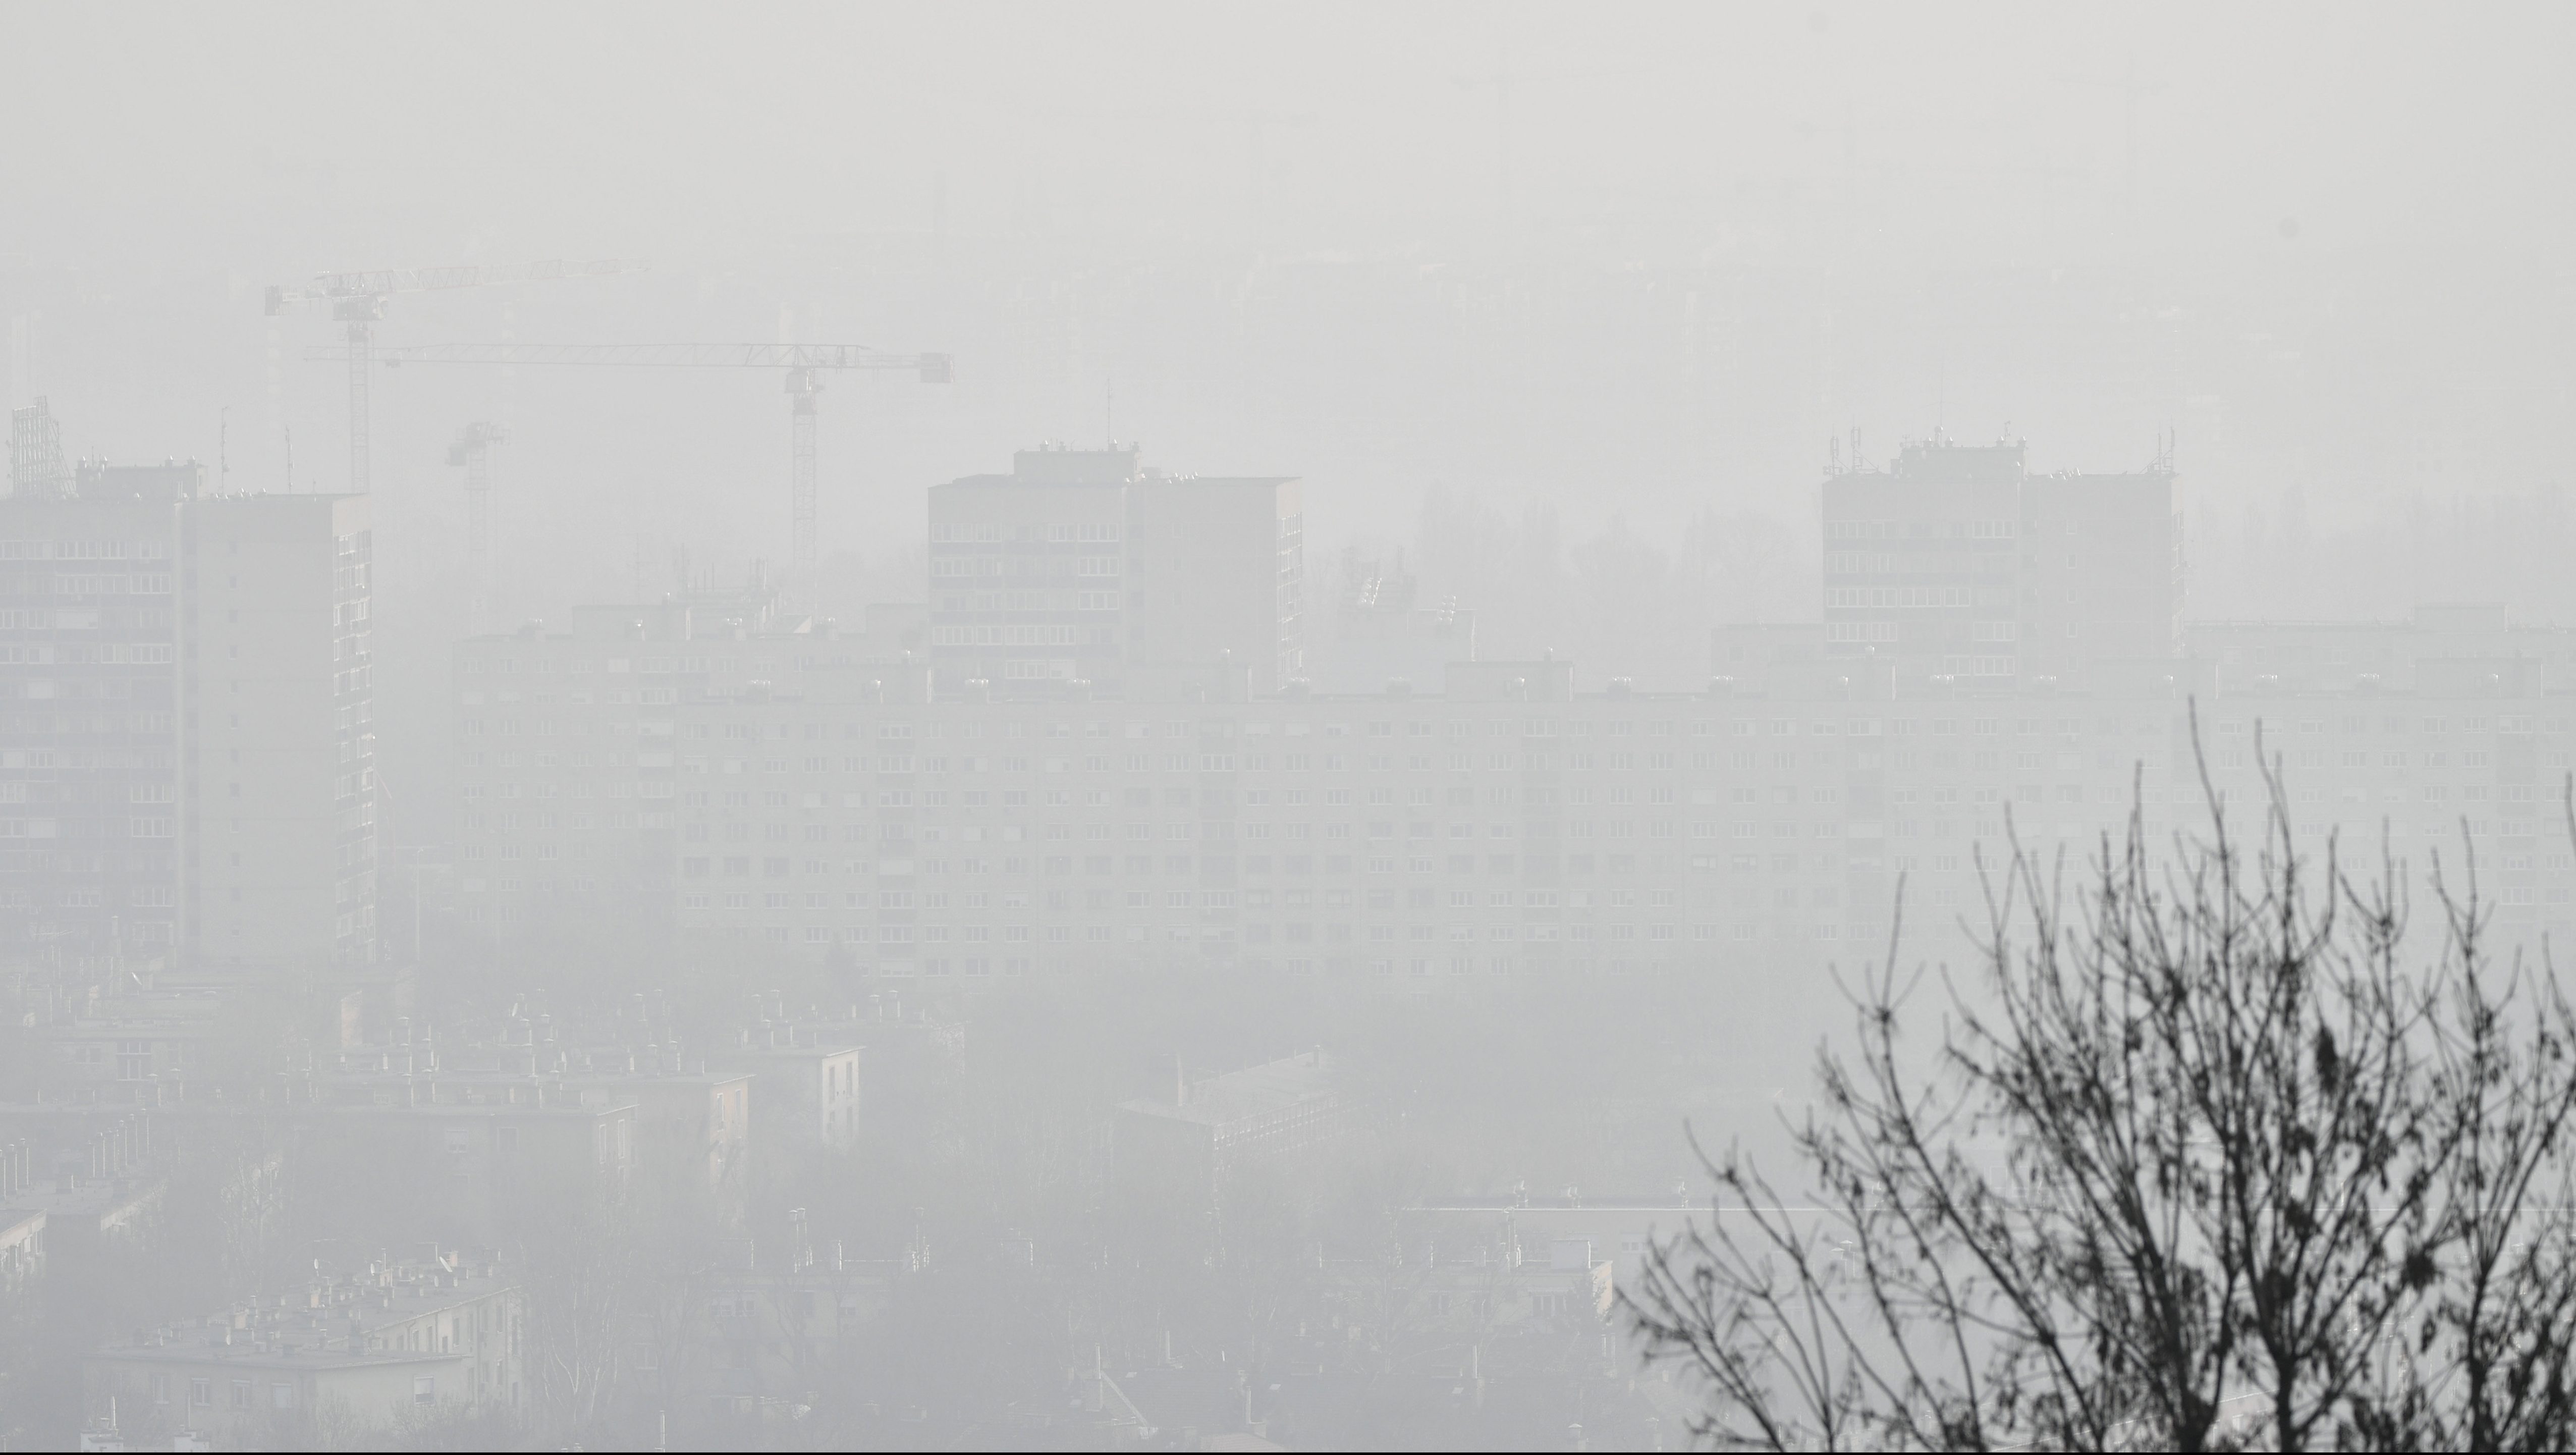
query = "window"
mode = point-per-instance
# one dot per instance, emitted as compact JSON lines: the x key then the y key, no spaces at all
{"x":424,"y":1390}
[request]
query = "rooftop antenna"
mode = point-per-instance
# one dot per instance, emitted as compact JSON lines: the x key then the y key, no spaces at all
{"x":223,"y":447}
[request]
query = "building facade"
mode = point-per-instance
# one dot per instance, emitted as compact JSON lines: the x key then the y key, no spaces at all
{"x":1081,"y":562}
{"x":90,"y":771}
{"x":1514,"y":823}
{"x":351,"y":1355}
{"x":1956,"y":562}
{"x":186,"y":701}
{"x":1998,"y":653}
{"x":279,"y":730}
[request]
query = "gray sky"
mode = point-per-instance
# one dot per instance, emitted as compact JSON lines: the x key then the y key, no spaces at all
{"x":350,"y":134}
{"x":1639,"y":261}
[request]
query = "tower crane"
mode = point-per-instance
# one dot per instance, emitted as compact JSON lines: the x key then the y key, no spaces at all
{"x":803,"y":366}
{"x":473,"y":450}
{"x":357,"y":300}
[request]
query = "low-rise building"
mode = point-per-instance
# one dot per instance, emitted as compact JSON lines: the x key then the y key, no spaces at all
{"x":346,"y":1356}
{"x":692,"y":1127}
{"x":22,"y":1245}
{"x":1178,"y":1151}
{"x":667,"y":1119}
{"x":805,"y":1078}
{"x":766,"y":1334}
{"x":86,"y":1172}
{"x":472,"y":1147}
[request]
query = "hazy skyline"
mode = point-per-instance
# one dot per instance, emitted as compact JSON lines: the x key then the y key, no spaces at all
{"x":1098,"y":201}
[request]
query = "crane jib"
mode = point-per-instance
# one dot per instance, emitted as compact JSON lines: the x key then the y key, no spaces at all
{"x":798,"y":362}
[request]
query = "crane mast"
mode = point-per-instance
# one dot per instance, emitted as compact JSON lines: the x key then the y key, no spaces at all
{"x":357,"y":301}
{"x":802,"y":386}
{"x":360,"y":314}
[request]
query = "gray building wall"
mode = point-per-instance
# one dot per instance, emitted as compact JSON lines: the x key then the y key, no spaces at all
{"x":280,"y":730}
{"x":89,"y":746}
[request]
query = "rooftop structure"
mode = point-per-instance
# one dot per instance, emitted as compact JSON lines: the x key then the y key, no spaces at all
{"x":1382,"y":632}
{"x":366,"y":1347}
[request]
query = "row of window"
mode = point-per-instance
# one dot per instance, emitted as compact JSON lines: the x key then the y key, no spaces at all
{"x":47,"y":828}
{"x":244,"y":1392}
{"x":1104,"y":532}
{"x":71,"y":619}
{"x":111,"y":550}
{"x":1005,"y":636}
{"x":89,"y":584}
{"x":89,"y":896}
{"x":2348,"y":723}
{"x":2227,"y":733}
{"x":814,"y":936}
{"x":1133,"y":865}
{"x":1991,"y":564}
{"x":1938,"y":530}
{"x":109,"y":654}
{"x":1299,"y":933}
{"x":946,"y":567}
{"x":1059,"y":901}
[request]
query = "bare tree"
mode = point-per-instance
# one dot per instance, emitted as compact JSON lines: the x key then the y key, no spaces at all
{"x":2212,"y":1156}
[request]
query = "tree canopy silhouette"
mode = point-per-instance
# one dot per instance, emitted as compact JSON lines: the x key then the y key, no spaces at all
{"x":2220,"y":1150}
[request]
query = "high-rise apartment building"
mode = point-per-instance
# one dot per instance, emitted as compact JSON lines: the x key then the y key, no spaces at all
{"x":89,"y":760}
{"x":1216,"y":568}
{"x":186,"y":765}
{"x":565,"y":757}
{"x":1081,"y":562}
{"x":279,"y":730}
{"x":2101,"y":563}
{"x":1956,"y":562}
{"x":1028,"y":571}
{"x":571,"y":756}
